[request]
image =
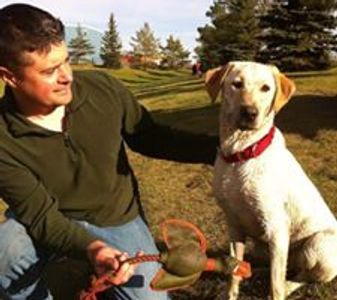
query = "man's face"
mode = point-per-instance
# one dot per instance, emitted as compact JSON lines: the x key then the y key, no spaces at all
{"x":45,"y":83}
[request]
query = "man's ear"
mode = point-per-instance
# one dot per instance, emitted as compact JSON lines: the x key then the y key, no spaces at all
{"x":8,"y":77}
{"x":214,"y":80}
{"x":285,"y":88}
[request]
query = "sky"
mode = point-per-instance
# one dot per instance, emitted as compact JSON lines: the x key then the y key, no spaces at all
{"x":177,"y":17}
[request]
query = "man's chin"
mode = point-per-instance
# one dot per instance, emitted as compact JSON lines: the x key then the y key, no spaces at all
{"x":64,"y":99}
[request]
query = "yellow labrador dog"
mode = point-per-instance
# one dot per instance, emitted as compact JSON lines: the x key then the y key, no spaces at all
{"x":263,"y":190}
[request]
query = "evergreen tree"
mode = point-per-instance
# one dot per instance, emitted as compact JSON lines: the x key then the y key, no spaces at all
{"x":110,"y":51}
{"x":80,"y":46}
{"x":232,"y":34}
{"x":145,"y":46}
{"x":299,"y":34}
{"x":173,"y":54}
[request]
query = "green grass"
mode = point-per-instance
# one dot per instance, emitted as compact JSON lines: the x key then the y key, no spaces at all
{"x":170,"y":189}
{"x":323,"y":82}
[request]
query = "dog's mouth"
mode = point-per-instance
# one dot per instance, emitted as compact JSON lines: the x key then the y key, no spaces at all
{"x":243,"y":125}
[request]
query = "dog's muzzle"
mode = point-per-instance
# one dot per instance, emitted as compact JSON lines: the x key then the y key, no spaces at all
{"x":247,"y":117}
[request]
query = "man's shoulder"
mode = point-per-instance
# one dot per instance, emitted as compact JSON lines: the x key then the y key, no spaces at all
{"x":97,"y":86}
{"x":92,"y":78}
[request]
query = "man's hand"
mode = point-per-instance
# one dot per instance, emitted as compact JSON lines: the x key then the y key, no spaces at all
{"x":105,"y":259}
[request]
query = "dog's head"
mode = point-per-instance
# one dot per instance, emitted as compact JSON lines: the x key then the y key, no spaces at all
{"x":251,"y":92}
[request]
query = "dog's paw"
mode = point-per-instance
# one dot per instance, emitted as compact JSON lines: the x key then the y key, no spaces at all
{"x":233,"y":296}
{"x":233,"y":292}
{"x":292,"y":287}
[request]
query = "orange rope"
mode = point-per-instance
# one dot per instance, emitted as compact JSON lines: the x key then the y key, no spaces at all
{"x":104,"y":282}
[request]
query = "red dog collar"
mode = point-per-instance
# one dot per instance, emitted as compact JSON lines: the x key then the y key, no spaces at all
{"x":252,"y":151}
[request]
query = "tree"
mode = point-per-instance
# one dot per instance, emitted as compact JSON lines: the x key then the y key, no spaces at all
{"x":80,"y":46}
{"x":299,"y":34}
{"x":145,"y":46}
{"x":110,"y":51}
{"x":173,"y":54}
{"x":232,"y":34}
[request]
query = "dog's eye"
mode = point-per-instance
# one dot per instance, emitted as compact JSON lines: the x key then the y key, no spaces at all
{"x":237,"y":84}
{"x":265,"y":88}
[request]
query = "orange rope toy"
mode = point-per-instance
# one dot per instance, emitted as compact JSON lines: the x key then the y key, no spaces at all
{"x":182,"y":263}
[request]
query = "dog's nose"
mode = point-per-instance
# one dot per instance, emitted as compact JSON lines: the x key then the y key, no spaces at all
{"x":248,"y":113}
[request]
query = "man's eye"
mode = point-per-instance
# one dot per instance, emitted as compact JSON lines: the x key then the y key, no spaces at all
{"x":265,"y":88}
{"x":237,"y":84}
{"x":49,"y":71}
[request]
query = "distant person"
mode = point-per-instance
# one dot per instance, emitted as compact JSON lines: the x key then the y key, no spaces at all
{"x":198,"y":69}
{"x":64,"y":171}
{"x":194,"y":69}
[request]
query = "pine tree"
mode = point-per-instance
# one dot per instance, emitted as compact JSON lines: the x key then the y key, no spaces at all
{"x":145,"y":46}
{"x":232,"y":34}
{"x":299,"y":34}
{"x":110,"y":51}
{"x":174,"y":55}
{"x":80,"y":46}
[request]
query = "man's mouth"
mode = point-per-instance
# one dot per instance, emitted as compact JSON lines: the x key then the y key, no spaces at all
{"x":63,"y":91}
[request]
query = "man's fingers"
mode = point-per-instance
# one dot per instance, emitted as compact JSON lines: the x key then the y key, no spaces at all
{"x":124,"y":273}
{"x":107,"y":259}
{"x":123,"y":257}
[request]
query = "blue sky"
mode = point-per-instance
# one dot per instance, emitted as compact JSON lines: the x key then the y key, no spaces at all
{"x":178,"y":17}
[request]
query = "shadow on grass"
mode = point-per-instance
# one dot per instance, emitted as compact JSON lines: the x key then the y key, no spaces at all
{"x":303,"y":115}
{"x":307,"y":114}
{"x":198,"y":120}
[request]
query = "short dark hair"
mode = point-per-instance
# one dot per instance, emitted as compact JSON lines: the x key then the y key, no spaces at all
{"x":25,"y":28}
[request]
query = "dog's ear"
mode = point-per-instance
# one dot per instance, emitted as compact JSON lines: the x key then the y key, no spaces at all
{"x":214,"y":80}
{"x":285,"y":88}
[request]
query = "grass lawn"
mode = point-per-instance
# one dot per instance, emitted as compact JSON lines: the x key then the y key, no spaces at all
{"x":168,"y":189}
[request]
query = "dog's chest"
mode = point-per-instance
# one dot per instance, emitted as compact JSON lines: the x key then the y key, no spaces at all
{"x":238,"y":180}
{"x":240,"y":189}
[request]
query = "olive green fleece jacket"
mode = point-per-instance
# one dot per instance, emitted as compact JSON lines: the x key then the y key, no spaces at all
{"x":49,"y":179}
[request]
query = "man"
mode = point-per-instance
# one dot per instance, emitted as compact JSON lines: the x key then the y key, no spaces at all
{"x":63,"y":167}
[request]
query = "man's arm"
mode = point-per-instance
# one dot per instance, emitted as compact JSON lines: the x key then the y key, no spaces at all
{"x":160,"y":141}
{"x":38,"y":212}
{"x":147,"y":137}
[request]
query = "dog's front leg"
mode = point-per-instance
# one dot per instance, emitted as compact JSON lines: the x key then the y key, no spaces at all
{"x":237,"y":250}
{"x":278,"y":245}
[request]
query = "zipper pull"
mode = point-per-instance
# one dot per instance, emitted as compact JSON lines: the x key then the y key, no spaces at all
{"x":66,"y":138}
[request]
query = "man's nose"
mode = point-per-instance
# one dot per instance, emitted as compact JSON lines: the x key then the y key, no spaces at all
{"x":65,"y":74}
